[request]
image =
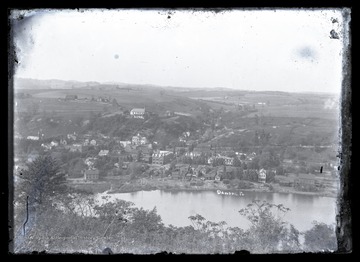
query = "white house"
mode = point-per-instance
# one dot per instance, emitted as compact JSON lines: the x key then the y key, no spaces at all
{"x":103,"y":152}
{"x":138,"y":113}
{"x":139,"y":140}
{"x":54,"y":143}
{"x":192,"y":154}
{"x":71,"y":136}
{"x":262,"y":176}
{"x":32,"y":138}
{"x":125,"y":143}
{"x":90,"y":161}
{"x":46,"y":146}
{"x":229,"y":161}
{"x":75,"y":147}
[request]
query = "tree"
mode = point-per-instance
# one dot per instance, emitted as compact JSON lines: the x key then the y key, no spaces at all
{"x":256,"y":119}
{"x":280,"y":171}
{"x":172,"y":165}
{"x":239,"y":173}
{"x":237,"y":162}
{"x":219,"y":162}
{"x":42,"y":179}
{"x":320,"y":237}
{"x":254,"y":164}
{"x":134,"y":170}
{"x":270,"y":176}
{"x":264,"y":161}
{"x":267,"y":231}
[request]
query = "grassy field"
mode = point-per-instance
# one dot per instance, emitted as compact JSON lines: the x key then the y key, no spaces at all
{"x":53,"y":105}
{"x":298,"y":116}
{"x":152,"y":100}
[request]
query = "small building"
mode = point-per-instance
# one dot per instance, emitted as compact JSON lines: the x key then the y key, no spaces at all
{"x":46,"y":146}
{"x":54,"y":143}
{"x":169,"y":113}
{"x":103,"y":152}
{"x":224,"y":150}
{"x":139,"y":140}
{"x":35,"y":138}
{"x":183,"y":170}
{"x":75,"y":148}
{"x":71,"y":97}
{"x":93,"y":142}
{"x":90,"y":161}
{"x":285,"y":180}
{"x":200,"y":171}
{"x":179,"y":150}
{"x":162,"y":157}
{"x":217,"y":176}
{"x":211,"y":160}
{"x":138,"y":113}
{"x":91,"y":174}
{"x":63,"y":142}
{"x":71,"y":136}
{"x":125,"y":143}
{"x":192,"y":154}
{"x":229,"y":161}
{"x":262,"y":176}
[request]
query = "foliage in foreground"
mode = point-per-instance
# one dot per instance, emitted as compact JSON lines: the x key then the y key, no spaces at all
{"x":126,"y":229}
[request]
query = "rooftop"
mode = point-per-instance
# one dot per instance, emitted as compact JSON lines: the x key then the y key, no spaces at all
{"x":138,"y":110}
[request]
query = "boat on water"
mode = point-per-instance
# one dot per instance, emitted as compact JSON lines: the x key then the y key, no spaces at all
{"x":229,"y":193}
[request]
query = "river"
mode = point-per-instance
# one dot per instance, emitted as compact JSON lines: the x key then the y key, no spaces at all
{"x":175,"y":207}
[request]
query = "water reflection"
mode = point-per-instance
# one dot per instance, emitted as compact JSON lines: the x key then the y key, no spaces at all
{"x":175,"y":207}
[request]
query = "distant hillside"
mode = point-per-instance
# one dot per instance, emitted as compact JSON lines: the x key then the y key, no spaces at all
{"x":28,"y":83}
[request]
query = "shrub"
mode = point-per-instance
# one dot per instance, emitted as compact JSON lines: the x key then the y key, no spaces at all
{"x":226,"y":181}
{"x":320,"y":237}
{"x":244,"y":185}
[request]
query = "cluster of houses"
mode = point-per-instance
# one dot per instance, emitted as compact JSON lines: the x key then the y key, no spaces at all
{"x":204,"y":172}
{"x":97,"y":99}
{"x":140,"y":149}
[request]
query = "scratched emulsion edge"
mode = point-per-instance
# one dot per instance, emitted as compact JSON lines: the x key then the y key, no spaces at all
{"x":344,"y":204}
{"x":16,"y":17}
{"x":10,"y":192}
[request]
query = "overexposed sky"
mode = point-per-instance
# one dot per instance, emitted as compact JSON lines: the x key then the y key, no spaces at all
{"x":285,"y":50}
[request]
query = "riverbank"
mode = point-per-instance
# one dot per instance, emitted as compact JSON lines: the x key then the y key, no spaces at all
{"x":168,"y":184}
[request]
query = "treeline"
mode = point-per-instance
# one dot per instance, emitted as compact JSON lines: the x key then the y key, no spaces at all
{"x":126,"y":229}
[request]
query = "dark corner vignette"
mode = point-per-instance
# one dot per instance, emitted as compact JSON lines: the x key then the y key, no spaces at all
{"x":343,"y":218}
{"x":9,"y":73}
